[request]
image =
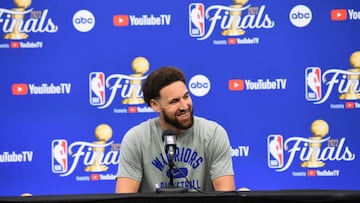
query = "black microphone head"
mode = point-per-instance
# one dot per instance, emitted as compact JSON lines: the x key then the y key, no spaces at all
{"x":169,"y":132}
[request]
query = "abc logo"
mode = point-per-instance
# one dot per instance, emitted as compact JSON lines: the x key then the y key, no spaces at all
{"x":199,"y":85}
{"x":83,"y":20}
{"x":300,"y":16}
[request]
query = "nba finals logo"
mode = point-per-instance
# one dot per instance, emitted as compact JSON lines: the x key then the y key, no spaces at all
{"x":346,"y":82}
{"x":129,"y":86}
{"x":16,"y":26}
{"x":232,"y":19}
{"x":312,"y":151}
{"x":93,"y":155}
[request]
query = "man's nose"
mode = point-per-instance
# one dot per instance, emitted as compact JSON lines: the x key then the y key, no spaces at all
{"x":183,"y":104}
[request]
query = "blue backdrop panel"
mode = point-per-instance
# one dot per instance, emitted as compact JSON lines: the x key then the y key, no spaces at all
{"x":282,"y":77}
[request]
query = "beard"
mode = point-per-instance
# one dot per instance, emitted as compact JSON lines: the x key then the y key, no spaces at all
{"x":176,"y":123}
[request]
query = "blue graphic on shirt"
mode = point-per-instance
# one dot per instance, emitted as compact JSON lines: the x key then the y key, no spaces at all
{"x":184,"y":155}
{"x":178,"y":172}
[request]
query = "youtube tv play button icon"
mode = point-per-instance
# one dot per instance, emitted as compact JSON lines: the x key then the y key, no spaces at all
{"x":19,"y":89}
{"x":121,"y":20}
{"x":338,"y":14}
{"x":236,"y":85}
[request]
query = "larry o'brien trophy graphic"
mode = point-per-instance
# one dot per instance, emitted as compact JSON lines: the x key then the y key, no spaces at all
{"x":103,"y":133}
{"x":140,"y":66}
{"x":319,"y":128}
{"x":354,"y":78}
{"x":235,"y":15}
{"x":18,"y":20}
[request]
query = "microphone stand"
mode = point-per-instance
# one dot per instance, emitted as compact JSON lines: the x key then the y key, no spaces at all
{"x":171,"y":166}
{"x":171,"y":188}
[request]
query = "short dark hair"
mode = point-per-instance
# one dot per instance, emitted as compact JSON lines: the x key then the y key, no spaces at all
{"x":158,"y":79}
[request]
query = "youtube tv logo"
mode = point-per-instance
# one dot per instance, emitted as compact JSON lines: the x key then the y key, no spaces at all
{"x":236,"y":85}
{"x":232,"y":41}
{"x":339,"y":14}
{"x":121,"y":20}
{"x":14,"y":45}
{"x":349,"y":105}
{"x":132,"y":109}
{"x":311,"y":172}
{"x":19,"y":89}
{"x":94,"y":177}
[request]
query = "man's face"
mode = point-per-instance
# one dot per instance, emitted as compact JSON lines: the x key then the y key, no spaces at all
{"x":176,"y":106}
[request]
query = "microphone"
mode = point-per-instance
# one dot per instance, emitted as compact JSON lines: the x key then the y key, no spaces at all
{"x":169,"y":139}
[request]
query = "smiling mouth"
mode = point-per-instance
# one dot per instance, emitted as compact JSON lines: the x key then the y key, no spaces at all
{"x":183,"y":113}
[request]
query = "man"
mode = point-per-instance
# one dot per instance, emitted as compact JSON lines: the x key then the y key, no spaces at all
{"x":203,"y":149}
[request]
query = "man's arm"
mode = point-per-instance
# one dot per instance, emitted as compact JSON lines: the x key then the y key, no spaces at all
{"x":126,"y":185}
{"x":224,"y":183}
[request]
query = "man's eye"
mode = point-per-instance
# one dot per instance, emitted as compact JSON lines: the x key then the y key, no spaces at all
{"x":173,"y":101}
{"x":186,"y":96}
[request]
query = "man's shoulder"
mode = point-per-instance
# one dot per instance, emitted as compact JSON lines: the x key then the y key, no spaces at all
{"x":211,"y":127}
{"x":208,"y":130}
{"x":202,"y":121}
{"x":143,"y":128}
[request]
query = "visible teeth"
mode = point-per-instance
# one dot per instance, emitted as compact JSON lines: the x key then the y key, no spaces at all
{"x":182,"y":113}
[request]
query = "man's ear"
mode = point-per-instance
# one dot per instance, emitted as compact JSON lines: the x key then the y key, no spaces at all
{"x":155,"y":105}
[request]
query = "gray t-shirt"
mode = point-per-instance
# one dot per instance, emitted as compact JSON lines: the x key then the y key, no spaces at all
{"x":202,"y":154}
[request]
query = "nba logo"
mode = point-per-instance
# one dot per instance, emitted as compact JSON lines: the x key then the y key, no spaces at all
{"x":97,"y":88}
{"x":275,"y":151}
{"x":313,"y":83}
{"x":196,"y":20}
{"x":59,"y":156}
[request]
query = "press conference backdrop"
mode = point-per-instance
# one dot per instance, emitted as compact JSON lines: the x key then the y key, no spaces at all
{"x":281,"y":76}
